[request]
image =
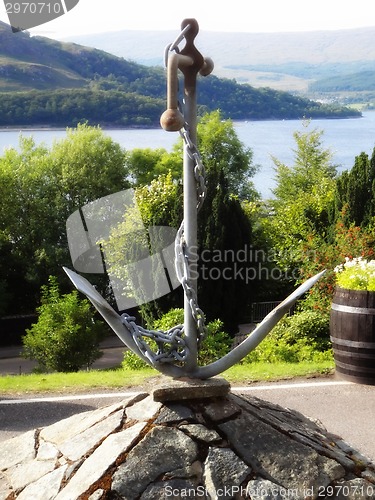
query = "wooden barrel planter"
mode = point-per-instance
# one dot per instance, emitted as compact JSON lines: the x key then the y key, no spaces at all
{"x":352,"y":329}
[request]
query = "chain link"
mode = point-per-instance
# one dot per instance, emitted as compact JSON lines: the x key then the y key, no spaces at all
{"x":199,"y":170}
{"x":181,"y":250}
{"x":171,"y":344}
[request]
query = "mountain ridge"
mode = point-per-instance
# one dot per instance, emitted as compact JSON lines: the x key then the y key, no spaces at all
{"x":233,"y":52}
{"x":229,"y":47}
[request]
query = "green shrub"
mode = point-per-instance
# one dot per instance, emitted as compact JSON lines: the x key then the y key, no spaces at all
{"x":65,"y":337}
{"x":170,"y":319}
{"x":133,"y":361}
{"x":215,"y":345}
{"x":304,"y":336}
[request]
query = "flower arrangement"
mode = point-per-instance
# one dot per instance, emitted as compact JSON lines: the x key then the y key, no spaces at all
{"x":356,"y":274}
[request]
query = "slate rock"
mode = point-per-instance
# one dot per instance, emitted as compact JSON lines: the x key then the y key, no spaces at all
{"x":46,"y":487}
{"x":224,"y":472}
{"x":369,"y":475}
{"x":218,"y":410}
{"x":174,"y":412}
{"x":143,"y":411}
{"x":263,"y":489}
{"x":176,"y":489}
{"x":5,"y":488}
{"x":23,"y":474}
{"x":354,"y":489}
{"x":17,"y":450}
{"x":97,"y":495}
{"x":275,"y":455}
{"x":201,"y":433}
{"x":99,"y":462}
{"x":75,"y":448}
{"x":193,"y":471}
{"x":190,"y":388}
{"x":161,"y":450}
{"x":222,"y":447}
{"x":66,"y":429}
{"x":47,"y":451}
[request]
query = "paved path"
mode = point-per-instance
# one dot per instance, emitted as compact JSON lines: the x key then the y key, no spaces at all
{"x":11,"y":363}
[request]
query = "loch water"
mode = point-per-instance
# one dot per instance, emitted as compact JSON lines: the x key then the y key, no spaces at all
{"x":346,"y":138}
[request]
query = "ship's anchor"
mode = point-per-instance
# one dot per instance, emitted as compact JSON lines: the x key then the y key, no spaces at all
{"x":177,"y":352}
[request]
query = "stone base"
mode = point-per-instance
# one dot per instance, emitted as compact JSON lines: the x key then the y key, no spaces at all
{"x":221,"y":447}
{"x":190,"y":388}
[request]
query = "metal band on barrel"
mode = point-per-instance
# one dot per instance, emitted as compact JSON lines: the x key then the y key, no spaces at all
{"x":352,"y":309}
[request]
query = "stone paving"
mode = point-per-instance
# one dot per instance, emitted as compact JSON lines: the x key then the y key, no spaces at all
{"x":215,"y":446}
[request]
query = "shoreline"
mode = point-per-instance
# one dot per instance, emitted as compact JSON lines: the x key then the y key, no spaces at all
{"x":52,"y":128}
{"x":32,"y":129}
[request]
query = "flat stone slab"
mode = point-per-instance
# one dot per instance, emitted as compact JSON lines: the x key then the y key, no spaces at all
{"x":190,"y":388}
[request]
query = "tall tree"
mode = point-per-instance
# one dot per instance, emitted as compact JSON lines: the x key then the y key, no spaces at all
{"x":303,"y":199}
{"x":224,"y":230}
{"x":226,"y":272}
{"x":355,"y":192}
{"x":146,"y":165}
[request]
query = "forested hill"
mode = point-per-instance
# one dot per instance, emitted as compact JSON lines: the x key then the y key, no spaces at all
{"x":43,"y":81}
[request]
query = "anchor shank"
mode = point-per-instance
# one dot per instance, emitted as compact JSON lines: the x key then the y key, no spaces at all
{"x":190,"y":190}
{"x":190,"y":226}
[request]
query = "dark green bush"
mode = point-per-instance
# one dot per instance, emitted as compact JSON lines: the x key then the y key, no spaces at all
{"x":216,"y":344}
{"x":65,"y":337}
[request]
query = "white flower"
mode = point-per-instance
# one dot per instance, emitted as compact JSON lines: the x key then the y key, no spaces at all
{"x":339,"y":268}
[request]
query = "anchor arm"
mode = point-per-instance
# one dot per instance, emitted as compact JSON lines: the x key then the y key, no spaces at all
{"x":114,"y":321}
{"x":254,"y":339}
{"x":101,"y":305}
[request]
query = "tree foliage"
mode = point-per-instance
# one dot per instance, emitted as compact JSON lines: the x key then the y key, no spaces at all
{"x":303,"y":336}
{"x":303,"y":198}
{"x":39,"y":189}
{"x":128,"y":108}
{"x":223,"y":227}
{"x":360,"y":81}
{"x":146,"y":165}
{"x":38,"y":75}
{"x":319,"y":218}
{"x":67,"y":108}
{"x":223,"y":152}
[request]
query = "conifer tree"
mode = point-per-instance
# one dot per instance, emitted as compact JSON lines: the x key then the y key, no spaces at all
{"x":355,"y":191}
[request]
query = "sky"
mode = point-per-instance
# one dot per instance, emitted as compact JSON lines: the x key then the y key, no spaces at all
{"x":98,"y":16}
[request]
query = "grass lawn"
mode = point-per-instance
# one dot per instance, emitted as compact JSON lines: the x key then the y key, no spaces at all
{"x":123,"y":379}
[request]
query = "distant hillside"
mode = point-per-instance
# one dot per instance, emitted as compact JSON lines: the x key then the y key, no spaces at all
{"x":355,"y":82}
{"x":284,"y":61}
{"x":38,"y":63}
{"x":37,"y":76}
